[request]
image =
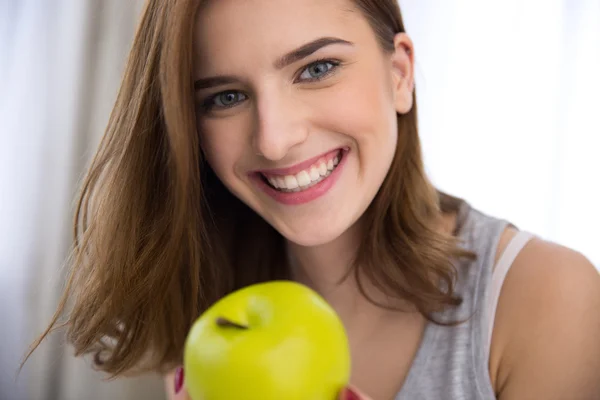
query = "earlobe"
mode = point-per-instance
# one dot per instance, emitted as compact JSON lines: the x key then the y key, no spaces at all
{"x":403,"y":73}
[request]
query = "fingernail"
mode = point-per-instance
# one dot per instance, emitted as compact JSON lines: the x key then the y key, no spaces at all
{"x":179,"y":375}
{"x":351,"y":395}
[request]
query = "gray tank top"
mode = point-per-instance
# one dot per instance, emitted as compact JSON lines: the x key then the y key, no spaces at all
{"x":452,"y":362}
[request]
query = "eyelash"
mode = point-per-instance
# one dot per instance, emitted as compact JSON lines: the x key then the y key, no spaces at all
{"x":208,"y":104}
{"x":334,"y":66}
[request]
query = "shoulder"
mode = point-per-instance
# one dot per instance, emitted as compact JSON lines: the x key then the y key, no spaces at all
{"x":546,"y":340}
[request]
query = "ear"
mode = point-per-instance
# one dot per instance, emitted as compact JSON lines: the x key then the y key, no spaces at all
{"x":403,"y":79}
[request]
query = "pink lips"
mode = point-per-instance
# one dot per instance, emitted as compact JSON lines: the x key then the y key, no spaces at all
{"x":293,"y":170}
{"x":307,"y":195}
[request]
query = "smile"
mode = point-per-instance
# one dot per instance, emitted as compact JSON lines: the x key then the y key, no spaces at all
{"x":306,"y":178}
{"x":304,"y":182}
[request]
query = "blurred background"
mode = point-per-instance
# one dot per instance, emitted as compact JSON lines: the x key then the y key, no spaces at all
{"x":509,"y":101}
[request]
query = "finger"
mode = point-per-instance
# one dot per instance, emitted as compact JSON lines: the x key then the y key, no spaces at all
{"x":177,"y":386}
{"x":352,"y":393}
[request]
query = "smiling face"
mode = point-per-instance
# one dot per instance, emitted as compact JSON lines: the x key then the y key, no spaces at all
{"x":296,"y":109}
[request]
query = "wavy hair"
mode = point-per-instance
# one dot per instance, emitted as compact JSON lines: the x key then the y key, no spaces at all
{"x":158,"y":238}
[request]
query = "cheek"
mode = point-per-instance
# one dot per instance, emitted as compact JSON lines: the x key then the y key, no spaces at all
{"x":362,"y":109}
{"x":221,"y":149}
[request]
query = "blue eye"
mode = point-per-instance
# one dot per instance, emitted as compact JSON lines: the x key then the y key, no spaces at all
{"x":318,"y":70}
{"x":226,"y":99}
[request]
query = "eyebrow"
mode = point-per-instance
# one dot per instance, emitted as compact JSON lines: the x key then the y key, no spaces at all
{"x":289,"y":58}
{"x":220,"y":80}
{"x":308,"y":49}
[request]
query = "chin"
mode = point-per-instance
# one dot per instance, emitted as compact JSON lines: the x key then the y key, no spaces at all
{"x":312,"y":233}
{"x":313,"y":241}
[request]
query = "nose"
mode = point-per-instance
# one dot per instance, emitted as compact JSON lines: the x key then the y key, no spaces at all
{"x":280,"y":125}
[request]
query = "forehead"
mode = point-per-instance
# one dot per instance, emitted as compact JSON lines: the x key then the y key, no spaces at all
{"x":228,"y":30}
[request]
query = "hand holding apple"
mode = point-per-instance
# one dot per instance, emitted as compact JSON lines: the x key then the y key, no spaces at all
{"x":269,"y":341}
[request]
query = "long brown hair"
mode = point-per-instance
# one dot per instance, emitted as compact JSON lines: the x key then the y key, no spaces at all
{"x":158,"y":239}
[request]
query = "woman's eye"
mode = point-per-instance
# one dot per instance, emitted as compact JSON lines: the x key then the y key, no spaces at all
{"x":224,"y":100}
{"x":318,"y":70}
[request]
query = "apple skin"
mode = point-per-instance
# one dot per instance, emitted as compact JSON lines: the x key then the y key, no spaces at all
{"x":278,"y":340}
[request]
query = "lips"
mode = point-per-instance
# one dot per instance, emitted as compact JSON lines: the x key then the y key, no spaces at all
{"x":307,"y":177}
{"x":304,"y":182}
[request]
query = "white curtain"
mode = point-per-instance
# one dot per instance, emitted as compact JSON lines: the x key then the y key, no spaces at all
{"x":508,"y":95}
{"x":60,"y":65}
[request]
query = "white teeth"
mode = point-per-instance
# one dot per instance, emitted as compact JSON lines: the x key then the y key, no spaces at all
{"x":303,"y":178}
{"x":322,"y":169}
{"x":314,"y":174}
{"x":291,"y":182}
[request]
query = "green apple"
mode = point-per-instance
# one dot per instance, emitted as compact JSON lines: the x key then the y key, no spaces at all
{"x":270,"y":341}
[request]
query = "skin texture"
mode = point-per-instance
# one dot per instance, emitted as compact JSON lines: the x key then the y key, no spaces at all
{"x":287,"y":119}
{"x":546,"y":334}
{"x":546,"y":337}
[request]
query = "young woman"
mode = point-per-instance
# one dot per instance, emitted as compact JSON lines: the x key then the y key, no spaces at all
{"x":257,"y":140}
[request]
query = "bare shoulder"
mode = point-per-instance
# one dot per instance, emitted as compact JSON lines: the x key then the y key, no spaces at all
{"x":547,"y":330}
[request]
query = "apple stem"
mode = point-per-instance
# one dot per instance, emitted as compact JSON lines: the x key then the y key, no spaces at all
{"x":224,"y":322}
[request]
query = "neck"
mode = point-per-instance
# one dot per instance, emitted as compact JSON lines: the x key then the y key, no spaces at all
{"x":325,"y":269}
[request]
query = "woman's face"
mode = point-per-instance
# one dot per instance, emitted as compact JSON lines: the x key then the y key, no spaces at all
{"x":296,"y":108}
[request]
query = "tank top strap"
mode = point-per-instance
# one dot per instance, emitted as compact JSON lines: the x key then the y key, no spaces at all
{"x":501,"y":269}
{"x":452,"y":361}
